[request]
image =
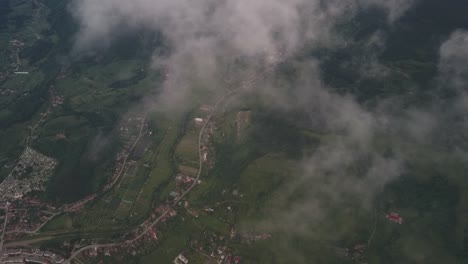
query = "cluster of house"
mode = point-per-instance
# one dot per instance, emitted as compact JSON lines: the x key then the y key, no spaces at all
{"x":21,"y":221}
{"x":30,"y":174}
{"x":232,"y":259}
{"x":129,"y":134}
{"x":183,"y":179}
{"x":30,"y":256}
{"x":56,"y":100}
{"x":95,"y":251}
{"x":23,"y":216}
{"x":6,"y":91}
{"x":205,"y":148}
{"x":160,"y":210}
{"x":151,"y":233}
{"x":216,"y":246}
{"x":117,"y":170}
{"x":131,"y":242}
{"x":209,"y":129}
{"x":182,"y":182}
{"x":78,"y":205}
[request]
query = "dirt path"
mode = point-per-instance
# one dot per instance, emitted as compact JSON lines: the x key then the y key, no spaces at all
{"x":4,"y":228}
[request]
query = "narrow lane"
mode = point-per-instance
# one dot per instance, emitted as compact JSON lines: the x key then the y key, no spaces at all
{"x":4,"y":227}
{"x":230,"y":92}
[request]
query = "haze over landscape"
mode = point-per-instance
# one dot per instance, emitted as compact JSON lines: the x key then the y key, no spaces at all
{"x":261,"y":131}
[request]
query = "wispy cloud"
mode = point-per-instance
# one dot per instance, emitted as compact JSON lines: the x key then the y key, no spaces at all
{"x":207,"y":35}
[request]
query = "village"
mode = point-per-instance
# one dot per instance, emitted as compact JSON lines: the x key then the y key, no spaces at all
{"x":28,"y":215}
{"x":30,"y":256}
{"x":31,"y":173}
{"x":24,"y":214}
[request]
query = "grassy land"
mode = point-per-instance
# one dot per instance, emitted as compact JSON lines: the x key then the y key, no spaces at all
{"x":130,"y":201}
{"x":161,"y":173}
{"x":96,"y":91}
{"x":186,"y":153}
{"x":249,"y":187}
{"x":249,"y":190}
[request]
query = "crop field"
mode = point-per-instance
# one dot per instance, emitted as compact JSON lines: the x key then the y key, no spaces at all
{"x":230,"y":198}
{"x":186,"y":153}
{"x":256,"y":179}
{"x":186,"y":170}
{"x":162,"y":171}
{"x":116,"y":207}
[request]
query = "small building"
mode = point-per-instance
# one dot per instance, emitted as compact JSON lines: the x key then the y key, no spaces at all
{"x":198,"y":121}
{"x":93,"y":252}
{"x":182,"y":258}
{"x":153,"y":235}
{"x":172,"y":212}
{"x":394,"y":217}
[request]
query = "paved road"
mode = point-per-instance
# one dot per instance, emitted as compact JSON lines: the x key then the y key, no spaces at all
{"x":88,"y":200}
{"x":122,"y":168}
{"x":244,"y":85}
{"x":200,"y":170}
{"x":200,"y":136}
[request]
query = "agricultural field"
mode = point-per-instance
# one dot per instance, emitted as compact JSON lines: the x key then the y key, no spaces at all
{"x":312,"y":132}
{"x":131,"y":198}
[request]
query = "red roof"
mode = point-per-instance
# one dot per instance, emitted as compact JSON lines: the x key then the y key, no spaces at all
{"x":152,"y":234}
{"x":394,"y":217}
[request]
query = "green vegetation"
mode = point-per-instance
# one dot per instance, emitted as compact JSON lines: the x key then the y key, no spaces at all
{"x":130,"y":201}
{"x":77,"y":109}
{"x":95,"y":94}
{"x":186,"y":153}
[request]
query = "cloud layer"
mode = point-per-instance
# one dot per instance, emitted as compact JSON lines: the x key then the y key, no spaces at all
{"x":453,"y":57}
{"x":204,"y":35}
{"x":248,"y":27}
{"x":207,"y":36}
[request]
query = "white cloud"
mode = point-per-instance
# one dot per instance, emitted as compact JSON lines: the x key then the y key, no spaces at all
{"x":453,"y":64}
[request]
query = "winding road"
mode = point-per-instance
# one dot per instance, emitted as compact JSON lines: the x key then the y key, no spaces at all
{"x":230,"y":92}
{"x":156,"y":221}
